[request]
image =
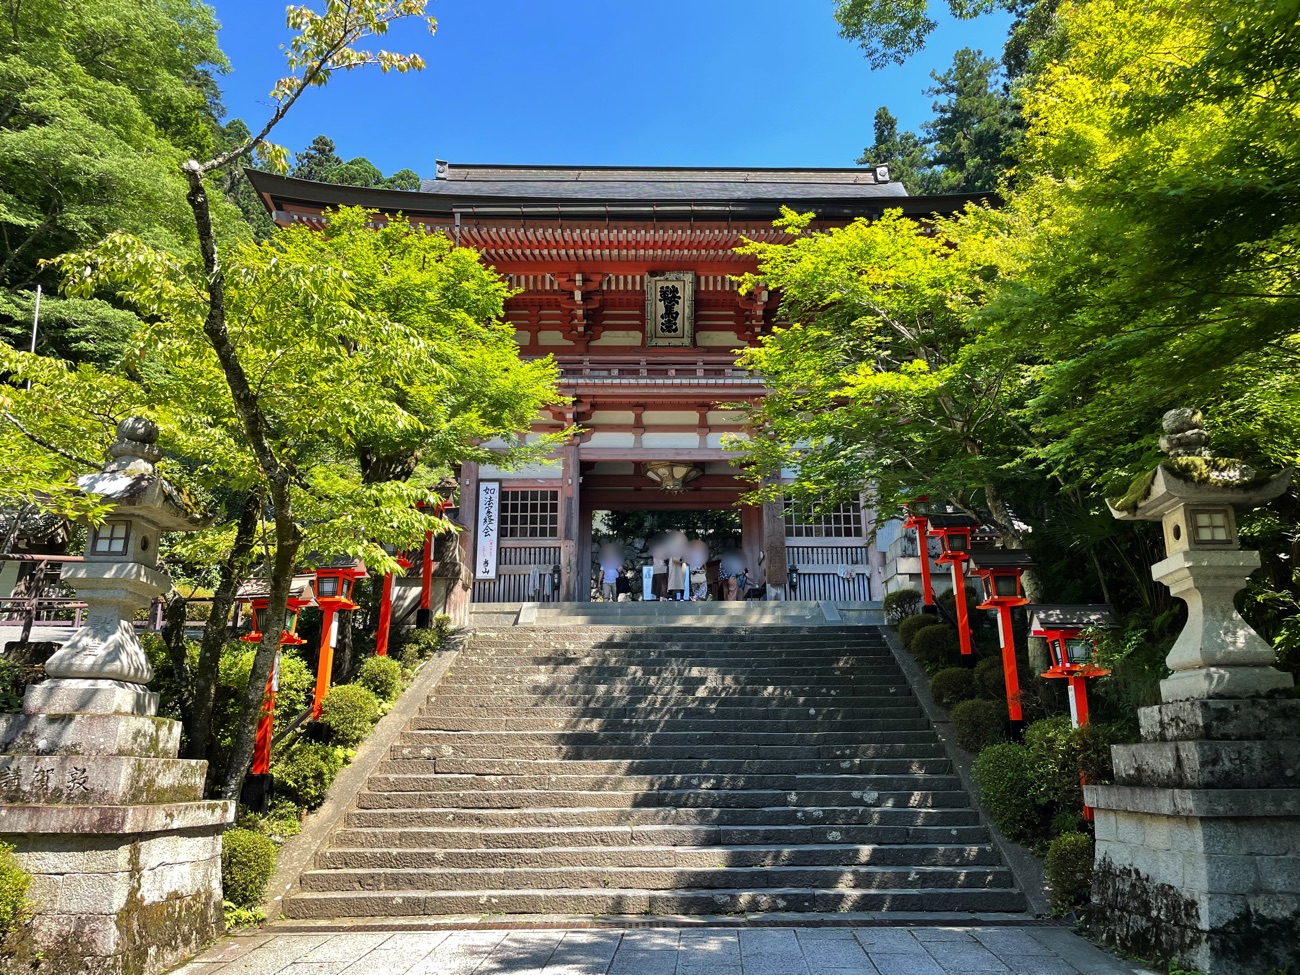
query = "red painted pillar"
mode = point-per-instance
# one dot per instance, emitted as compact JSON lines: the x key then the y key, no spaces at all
{"x":266,"y":723}
{"x":385,"y":617}
{"x":1009,"y":671}
{"x":424,"y":615}
{"x":326,"y":663}
{"x":959,"y":598}
{"x":923,"y":549}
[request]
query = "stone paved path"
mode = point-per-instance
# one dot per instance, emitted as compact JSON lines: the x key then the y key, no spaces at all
{"x":689,"y":951}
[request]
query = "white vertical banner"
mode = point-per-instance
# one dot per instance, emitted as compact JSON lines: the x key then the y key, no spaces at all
{"x":489,"y":513}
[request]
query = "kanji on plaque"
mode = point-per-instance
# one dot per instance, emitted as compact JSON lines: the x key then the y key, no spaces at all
{"x":489,"y":505}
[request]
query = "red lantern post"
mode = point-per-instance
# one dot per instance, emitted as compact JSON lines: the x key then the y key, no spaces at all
{"x":999,"y":572}
{"x":921,"y":524}
{"x":257,"y":788}
{"x":954,"y":532}
{"x":424,"y":615}
{"x":1062,"y":627}
{"x":386,"y":608}
{"x":333,"y":588}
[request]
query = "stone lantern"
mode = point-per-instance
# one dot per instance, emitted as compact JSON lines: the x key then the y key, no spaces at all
{"x":1198,"y":840}
{"x":125,"y":854}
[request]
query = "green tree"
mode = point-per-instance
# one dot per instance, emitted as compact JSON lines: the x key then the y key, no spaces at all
{"x":907,"y":157}
{"x":318,"y":161}
{"x":271,"y":367}
{"x":975,"y":125}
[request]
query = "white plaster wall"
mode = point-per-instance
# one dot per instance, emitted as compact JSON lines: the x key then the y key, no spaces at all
{"x":717,"y":340}
{"x":611,"y":416}
{"x":665,"y":417}
{"x":611,"y":440}
{"x":725,"y":418}
{"x":552,"y":338}
{"x":529,"y":472}
{"x":670,"y":440}
{"x":618,"y":338}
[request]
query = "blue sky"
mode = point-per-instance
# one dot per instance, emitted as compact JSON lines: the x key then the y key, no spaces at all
{"x":600,"y":82}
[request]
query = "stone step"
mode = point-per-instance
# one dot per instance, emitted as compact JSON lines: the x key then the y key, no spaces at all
{"x":644,"y":784}
{"x":703,"y":711}
{"x":690,"y":857}
{"x":830,"y":721}
{"x":665,"y":798}
{"x":450,"y":838}
{"x":563,"y":697}
{"x":681,"y":718}
{"x":894,"y":730}
{"x":666,"y":664}
{"x":672,"y":676}
{"x":331,"y":904}
{"x":685,"y":758}
{"x":718,"y":877}
{"x":937,"y":765}
{"x":596,"y":816}
{"x":682,"y":686}
{"x":744,"y":652}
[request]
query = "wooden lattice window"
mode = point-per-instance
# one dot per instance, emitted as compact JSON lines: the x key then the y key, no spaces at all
{"x":842,"y":521}
{"x":530,"y":514}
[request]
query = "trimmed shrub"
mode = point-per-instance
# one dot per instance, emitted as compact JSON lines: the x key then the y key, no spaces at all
{"x":1092,"y":750}
{"x":909,"y":627}
{"x":948,"y":603}
{"x":425,"y":643}
{"x":1053,"y":763}
{"x":15,"y":882}
{"x":977,"y":724}
{"x":1068,"y":869}
{"x":409,"y":658}
{"x":900,"y":604}
{"x":349,"y":711}
{"x":382,"y":676}
{"x":952,"y":685}
{"x":990,"y":679}
{"x":442,"y":626}
{"x":304,"y":773}
{"x":1006,"y":789}
{"x":247,"y":863}
{"x":935,"y":648}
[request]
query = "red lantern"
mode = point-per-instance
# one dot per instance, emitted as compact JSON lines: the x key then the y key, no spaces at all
{"x":999,"y":573}
{"x":1063,"y":627}
{"x":954,"y":531}
{"x":333,"y":585}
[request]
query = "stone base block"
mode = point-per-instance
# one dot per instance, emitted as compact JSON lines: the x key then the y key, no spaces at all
{"x":113,"y":905}
{"x":89,"y":734}
{"x":1224,"y":682}
{"x":1208,"y":764}
{"x":89,"y":697}
{"x":114,"y":780}
{"x":1268,"y":720}
{"x":1220,"y":896}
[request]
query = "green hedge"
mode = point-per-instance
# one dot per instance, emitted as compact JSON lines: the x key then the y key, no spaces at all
{"x":935,"y":648}
{"x":349,"y":711}
{"x":908,"y":628}
{"x":247,"y":863}
{"x":1068,"y":869}
{"x":900,"y":604}
{"x":1006,"y":789}
{"x":1054,"y":764}
{"x":951,"y":686}
{"x":990,"y":679}
{"x":382,"y":676}
{"x":978,"y":724}
{"x":15,"y":883}
{"x":304,"y":773}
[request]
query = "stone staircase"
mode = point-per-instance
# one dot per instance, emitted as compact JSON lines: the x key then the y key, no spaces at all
{"x":663,"y":770}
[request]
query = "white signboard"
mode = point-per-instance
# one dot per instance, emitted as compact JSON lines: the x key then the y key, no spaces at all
{"x":489,"y":513}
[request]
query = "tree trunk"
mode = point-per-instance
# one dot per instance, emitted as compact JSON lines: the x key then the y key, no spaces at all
{"x":288,"y":540}
{"x":173,"y":638}
{"x":343,"y":648}
{"x":231,"y":576}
